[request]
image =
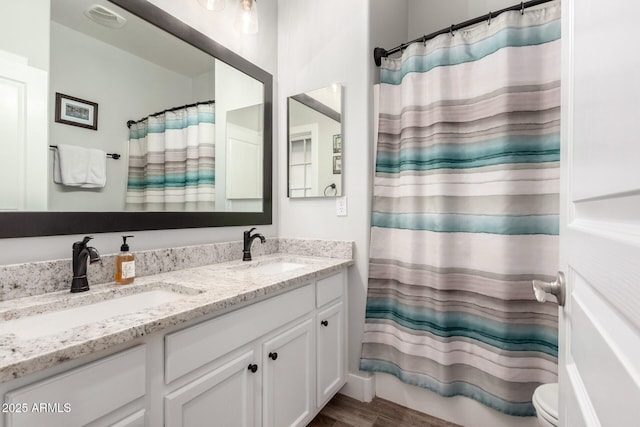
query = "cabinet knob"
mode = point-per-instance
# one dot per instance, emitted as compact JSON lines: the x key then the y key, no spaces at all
{"x":324,"y":323}
{"x":273,"y":356}
{"x":253,"y":368}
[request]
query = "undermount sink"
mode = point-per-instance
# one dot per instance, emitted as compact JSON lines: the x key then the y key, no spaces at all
{"x":56,"y":321}
{"x":270,"y":267}
{"x":277,"y":267}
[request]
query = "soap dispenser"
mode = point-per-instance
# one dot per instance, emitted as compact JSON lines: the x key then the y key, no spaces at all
{"x":125,"y":265}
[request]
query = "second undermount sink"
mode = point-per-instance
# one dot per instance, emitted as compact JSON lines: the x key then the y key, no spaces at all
{"x":277,"y":267}
{"x":270,"y":267}
{"x":56,"y":321}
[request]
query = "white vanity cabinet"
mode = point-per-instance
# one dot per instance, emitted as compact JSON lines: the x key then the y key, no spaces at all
{"x":260,"y":365}
{"x":270,"y":363}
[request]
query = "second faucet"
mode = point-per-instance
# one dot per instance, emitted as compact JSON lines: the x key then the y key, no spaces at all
{"x":248,"y":240}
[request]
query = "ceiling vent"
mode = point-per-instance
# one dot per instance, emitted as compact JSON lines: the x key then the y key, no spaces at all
{"x":104,"y":16}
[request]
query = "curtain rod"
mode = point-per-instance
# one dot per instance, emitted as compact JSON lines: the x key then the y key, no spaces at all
{"x":379,"y":53}
{"x":195,"y":104}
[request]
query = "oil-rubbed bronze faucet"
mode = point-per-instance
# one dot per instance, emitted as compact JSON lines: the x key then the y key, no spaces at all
{"x":81,"y":251}
{"x":248,"y":240}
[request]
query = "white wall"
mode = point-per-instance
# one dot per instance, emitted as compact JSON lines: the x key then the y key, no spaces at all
{"x":321,"y":43}
{"x":428,"y":16}
{"x":204,"y":86}
{"x":259,"y":49}
{"x":90,"y":69}
{"x":28,"y":40}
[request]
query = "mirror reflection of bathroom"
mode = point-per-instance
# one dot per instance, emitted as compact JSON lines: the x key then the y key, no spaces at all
{"x":315,"y":143}
{"x":137,"y":86}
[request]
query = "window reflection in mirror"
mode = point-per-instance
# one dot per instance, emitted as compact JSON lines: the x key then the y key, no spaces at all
{"x":315,"y":143}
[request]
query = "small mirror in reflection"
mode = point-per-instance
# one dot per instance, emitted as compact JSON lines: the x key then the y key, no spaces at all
{"x":315,"y":143}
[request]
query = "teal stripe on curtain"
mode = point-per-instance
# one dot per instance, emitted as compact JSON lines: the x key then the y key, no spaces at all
{"x":456,"y":223}
{"x":517,"y":149}
{"x":507,"y":37}
{"x":465,"y":213}
{"x":514,"y":337}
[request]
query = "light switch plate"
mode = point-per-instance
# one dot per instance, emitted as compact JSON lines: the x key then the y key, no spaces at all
{"x":341,"y":206}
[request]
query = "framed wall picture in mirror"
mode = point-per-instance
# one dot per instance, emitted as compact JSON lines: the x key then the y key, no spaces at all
{"x":314,"y":143}
{"x":153,"y":73}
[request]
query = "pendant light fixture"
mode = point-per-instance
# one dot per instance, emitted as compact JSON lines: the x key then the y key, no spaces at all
{"x":213,"y":5}
{"x":247,"y":17}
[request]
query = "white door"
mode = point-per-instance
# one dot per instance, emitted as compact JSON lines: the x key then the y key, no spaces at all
{"x":23,"y":135}
{"x":600,"y":234}
{"x":244,"y":163}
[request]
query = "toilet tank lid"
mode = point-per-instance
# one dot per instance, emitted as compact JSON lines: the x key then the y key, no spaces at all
{"x":546,"y":396}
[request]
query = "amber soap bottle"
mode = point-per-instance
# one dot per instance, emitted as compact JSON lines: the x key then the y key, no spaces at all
{"x":125,"y":264}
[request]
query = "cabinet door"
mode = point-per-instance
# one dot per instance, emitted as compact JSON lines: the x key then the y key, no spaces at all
{"x":224,"y":397}
{"x":83,"y":395}
{"x":288,"y":377}
{"x":331,"y":357}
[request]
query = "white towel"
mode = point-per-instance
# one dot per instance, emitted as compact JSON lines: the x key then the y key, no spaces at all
{"x":79,"y":167}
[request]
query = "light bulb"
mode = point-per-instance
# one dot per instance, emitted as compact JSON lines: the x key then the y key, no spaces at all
{"x":213,"y":5}
{"x":247,"y":18}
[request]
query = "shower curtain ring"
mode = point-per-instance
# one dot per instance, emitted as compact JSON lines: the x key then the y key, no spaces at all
{"x":451,"y":31}
{"x":490,"y":13}
{"x":521,"y":8}
{"x":424,"y":40}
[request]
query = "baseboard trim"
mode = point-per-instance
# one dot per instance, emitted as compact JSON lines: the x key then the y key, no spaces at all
{"x":360,"y":386}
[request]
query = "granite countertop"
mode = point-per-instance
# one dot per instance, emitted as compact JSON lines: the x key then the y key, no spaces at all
{"x":207,"y":289}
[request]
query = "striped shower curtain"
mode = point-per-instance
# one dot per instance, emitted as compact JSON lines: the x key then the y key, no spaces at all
{"x":171,"y":161}
{"x":465,"y":212}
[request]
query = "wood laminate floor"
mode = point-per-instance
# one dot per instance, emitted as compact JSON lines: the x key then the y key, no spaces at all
{"x":343,"y":411}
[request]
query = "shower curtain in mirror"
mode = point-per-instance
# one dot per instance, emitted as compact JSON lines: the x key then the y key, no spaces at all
{"x":465,"y":212}
{"x":171,"y":161}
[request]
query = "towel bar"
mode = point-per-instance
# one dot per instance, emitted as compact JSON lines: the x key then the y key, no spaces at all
{"x":114,"y":156}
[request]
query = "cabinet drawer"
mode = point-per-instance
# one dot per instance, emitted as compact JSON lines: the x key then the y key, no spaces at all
{"x":198,"y":345}
{"x":84,"y":394}
{"x":329,"y":289}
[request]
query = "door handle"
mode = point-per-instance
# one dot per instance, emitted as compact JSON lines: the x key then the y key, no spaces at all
{"x":557,"y":288}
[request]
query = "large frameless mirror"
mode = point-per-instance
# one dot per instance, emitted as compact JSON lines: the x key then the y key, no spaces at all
{"x":314,"y":143}
{"x":184,"y":122}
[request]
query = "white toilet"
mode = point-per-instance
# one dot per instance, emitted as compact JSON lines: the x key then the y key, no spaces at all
{"x":545,"y":400}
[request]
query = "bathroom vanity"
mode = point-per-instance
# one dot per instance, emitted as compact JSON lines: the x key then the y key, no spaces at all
{"x":259,"y":343}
